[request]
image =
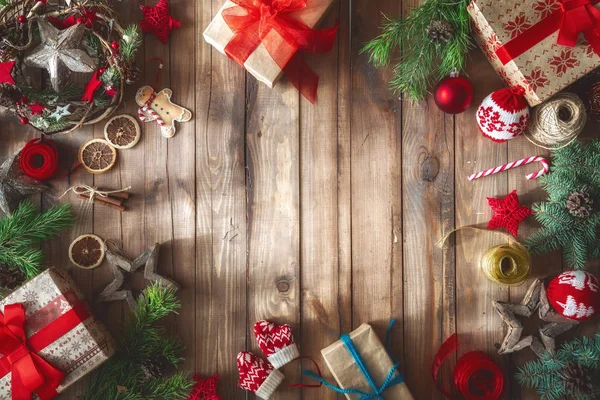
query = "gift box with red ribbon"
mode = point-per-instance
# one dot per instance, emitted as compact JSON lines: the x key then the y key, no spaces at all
{"x":266,"y":36}
{"x":540,"y":45}
{"x":48,"y":338}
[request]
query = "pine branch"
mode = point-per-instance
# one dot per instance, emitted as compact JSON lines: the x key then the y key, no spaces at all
{"x":49,"y":96}
{"x":25,"y":228}
{"x":131,"y":42}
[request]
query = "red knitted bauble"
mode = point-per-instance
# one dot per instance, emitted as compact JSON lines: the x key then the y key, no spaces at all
{"x":277,"y":342}
{"x":575,"y":295}
{"x":503,"y":114}
{"x":257,"y":375}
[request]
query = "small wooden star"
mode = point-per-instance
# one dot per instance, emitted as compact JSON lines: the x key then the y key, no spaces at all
{"x":118,"y":263}
{"x":205,"y":388}
{"x":36,"y":108}
{"x":6,"y":72}
{"x":535,"y":299}
{"x":507,"y":213}
{"x":15,"y":185}
{"x":157,"y":20}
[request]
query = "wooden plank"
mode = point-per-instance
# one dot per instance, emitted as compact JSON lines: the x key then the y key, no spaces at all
{"x":478,"y":326}
{"x":272,"y":160}
{"x":221,"y":320}
{"x":376,"y":183}
{"x":325,"y":204}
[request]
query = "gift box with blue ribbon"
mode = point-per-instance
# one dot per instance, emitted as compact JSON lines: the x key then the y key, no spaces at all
{"x":363,"y":368}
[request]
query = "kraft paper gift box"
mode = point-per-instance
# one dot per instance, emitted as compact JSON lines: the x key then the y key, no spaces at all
{"x":377,"y":361}
{"x":521,"y":41}
{"x":260,"y":63}
{"x":54,"y":308}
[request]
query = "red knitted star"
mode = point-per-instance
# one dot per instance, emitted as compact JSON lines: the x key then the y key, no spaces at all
{"x":205,"y":388}
{"x":508,"y":213}
{"x":36,"y":108}
{"x":5,"y":72}
{"x":158,"y":20}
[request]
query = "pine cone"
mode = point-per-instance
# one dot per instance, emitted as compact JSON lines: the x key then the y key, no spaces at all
{"x":577,"y":379}
{"x":10,"y":277}
{"x":155,"y":367}
{"x":580,"y":204}
{"x":440,"y":31}
{"x":132,"y":73}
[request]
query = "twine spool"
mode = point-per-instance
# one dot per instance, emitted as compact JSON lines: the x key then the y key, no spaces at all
{"x":557,"y":122}
{"x":39,"y":159}
{"x":506,"y":264}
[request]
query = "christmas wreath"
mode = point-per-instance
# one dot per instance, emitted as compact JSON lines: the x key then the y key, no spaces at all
{"x":81,"y":37}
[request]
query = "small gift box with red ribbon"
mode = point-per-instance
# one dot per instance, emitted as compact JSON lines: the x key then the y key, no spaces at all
{"x":48,"y":338}
{"x":540,"y":45}
{"x":266,"y":36}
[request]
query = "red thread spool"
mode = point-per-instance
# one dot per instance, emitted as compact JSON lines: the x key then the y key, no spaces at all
{"x":39,"y":159}
{"x":476,"y":376}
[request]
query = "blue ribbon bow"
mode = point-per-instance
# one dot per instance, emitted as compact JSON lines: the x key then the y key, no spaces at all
{"x":389,"y":382}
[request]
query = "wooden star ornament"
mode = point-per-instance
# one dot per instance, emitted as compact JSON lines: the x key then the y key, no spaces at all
{"x":508,"y":213}
{"x":535,"y":299}
{"x":119,"y":264}
{"x":6,"y":72}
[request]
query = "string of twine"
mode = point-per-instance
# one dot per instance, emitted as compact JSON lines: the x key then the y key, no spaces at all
{"x":557,"y":122}
{"x":505,"y":264}
{"x":92,"y":191}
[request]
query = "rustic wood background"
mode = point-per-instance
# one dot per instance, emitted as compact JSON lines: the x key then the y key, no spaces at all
{"x":322,"y":217}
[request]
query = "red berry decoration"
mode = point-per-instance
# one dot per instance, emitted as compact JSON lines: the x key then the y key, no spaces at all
{"x":115,"y":46}
{"x":22,"y":19}
{"x":101,"y":71}
{"x":24,"y":120}
{"x":454,"y":94}
{"x":574,"y":294}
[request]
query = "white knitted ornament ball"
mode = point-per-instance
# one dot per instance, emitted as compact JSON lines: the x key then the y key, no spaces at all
{"x":503,"y":114}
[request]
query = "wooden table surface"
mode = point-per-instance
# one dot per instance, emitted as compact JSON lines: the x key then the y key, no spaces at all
{"x":323,"y":217}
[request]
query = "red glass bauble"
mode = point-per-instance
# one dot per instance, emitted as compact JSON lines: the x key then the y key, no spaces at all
{"x":575,"y":295}
{"x":454,"y":94}
{"x":115,"y":46}
{"x":24,"y":120}
{"x":22,"y":19}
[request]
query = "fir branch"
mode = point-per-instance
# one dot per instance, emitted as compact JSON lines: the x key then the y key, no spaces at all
{"x":49,"y":96}
{"x":131,"y":42}
{"x":422,"y":62}
{"x":25,"y":228}
{"x":143,"y":340}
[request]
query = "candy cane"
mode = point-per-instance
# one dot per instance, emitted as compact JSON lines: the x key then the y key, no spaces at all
{"x":516,"y":164}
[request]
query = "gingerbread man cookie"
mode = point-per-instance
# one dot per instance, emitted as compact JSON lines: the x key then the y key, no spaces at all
{"x":158,"y":107}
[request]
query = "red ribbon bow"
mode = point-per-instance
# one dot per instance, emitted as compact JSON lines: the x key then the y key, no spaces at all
{"x":573,"y":17}
{"x":269,"y":22}
{"x":30,"y":372}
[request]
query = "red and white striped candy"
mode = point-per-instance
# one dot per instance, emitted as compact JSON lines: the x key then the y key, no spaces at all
{"x":516,"y":164}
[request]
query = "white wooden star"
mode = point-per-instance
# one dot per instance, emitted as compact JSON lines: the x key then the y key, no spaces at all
{"x":60,"y":112}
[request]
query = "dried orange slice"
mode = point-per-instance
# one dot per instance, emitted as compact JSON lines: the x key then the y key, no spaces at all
{"x":87,"y":251}
{"x":97,"y":156}
{"x":122,"y":131}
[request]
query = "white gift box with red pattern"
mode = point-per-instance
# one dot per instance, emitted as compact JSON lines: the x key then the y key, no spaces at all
{"x":540,"y":45}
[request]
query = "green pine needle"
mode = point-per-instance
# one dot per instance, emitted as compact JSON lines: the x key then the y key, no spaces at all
{"x":49,"y":96}
{"x":142,"y":341}
{"x":575,"y":168}
{"x":422,"y":62}
{"x":131,"y":42}
{"x":24,"y":229}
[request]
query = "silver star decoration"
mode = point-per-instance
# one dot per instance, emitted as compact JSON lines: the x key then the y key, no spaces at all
{"x":535,"y":299}
{"x":60,"y":112}
{"x":119,"y":262}
{"x":58,"y":52}
{"x":15,"y":185}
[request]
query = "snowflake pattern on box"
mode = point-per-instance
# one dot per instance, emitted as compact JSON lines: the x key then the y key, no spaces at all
{"x":547,"y":67}
{"x":82,"y":349}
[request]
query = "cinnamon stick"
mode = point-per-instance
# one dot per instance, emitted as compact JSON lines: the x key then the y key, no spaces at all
{"x":110,"y":200}
{"x":102,"y":201}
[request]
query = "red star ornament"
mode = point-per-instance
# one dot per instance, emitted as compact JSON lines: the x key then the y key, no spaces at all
{"x":157,"y":20}
{"x":508,"y":213}
{"x":88,"y":17}
{"x":6,"y":72}
{"x":91,"y":87}
{"x":205,"y":388}
{"x":36,"y":108}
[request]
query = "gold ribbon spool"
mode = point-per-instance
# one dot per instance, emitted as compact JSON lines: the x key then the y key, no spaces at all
{"x":505,"y":264}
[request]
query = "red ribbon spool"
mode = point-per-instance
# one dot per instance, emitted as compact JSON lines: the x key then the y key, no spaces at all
{"x":39,"y":159}
{"x":476,"y":376}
